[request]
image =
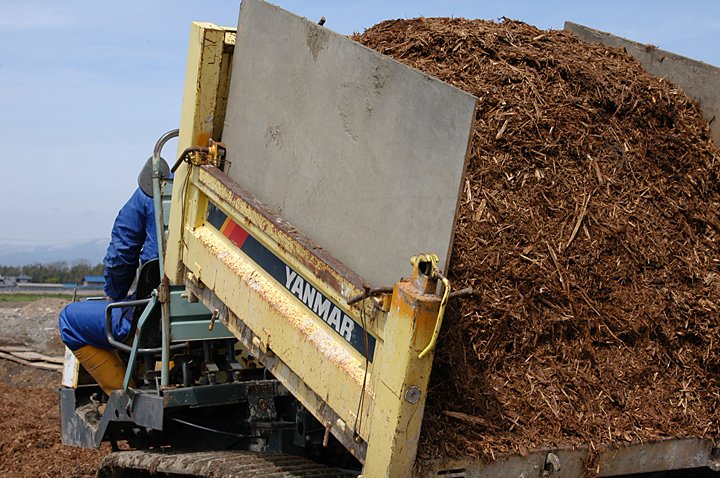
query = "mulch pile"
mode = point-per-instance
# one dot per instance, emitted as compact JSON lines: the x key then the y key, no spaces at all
{"x":588,"y":228}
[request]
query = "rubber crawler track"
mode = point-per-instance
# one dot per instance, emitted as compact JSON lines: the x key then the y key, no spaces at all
{"x":215,"y":464}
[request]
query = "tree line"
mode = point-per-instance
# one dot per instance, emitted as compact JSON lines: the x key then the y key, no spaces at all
{"x":59,"y":272}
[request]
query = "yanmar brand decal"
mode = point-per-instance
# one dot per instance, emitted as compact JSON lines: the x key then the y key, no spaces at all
{"x":322,"y":306}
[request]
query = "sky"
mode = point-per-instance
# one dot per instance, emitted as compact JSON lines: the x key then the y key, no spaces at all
{"x":87,"y":87}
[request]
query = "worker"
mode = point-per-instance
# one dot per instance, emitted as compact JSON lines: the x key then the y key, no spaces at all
{"x":83,"y":324}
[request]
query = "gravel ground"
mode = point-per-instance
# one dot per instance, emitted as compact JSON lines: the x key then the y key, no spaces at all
{"x":33,"y":324}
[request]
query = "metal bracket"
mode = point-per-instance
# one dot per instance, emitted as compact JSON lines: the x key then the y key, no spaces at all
{"x":426,"y":273}
{"x":552,"y":465}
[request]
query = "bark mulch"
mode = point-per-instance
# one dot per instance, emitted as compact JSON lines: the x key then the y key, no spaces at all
{"x":588,"y":228}
{"x":30,"y":445}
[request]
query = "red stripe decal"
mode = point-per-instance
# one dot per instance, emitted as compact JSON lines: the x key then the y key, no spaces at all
{"x":234,"y":232}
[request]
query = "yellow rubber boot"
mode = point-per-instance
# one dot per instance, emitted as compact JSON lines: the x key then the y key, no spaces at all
{"x":104,"y":366}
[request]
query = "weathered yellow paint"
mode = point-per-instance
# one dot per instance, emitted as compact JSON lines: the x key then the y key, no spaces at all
{"x":207,"y":78}
{"x":323,"y":366}
{"x":303,"y":343}
{"x":71,"y":370}
{"x":321,"y":370}
{"x":283,"y":244}
{"x":402,"y":377}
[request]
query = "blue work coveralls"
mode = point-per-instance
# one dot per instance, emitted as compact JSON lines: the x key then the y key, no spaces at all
{"x":133,"y":241}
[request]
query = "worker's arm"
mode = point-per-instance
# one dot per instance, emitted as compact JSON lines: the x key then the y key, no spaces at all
{"x":134,"y":225}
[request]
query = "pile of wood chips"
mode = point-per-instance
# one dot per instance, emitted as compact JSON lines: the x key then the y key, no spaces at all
{"x":30,"y":443}
{"x":588,"y":228}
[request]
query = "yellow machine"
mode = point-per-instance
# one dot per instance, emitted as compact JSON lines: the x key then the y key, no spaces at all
{"x":312,"y":213}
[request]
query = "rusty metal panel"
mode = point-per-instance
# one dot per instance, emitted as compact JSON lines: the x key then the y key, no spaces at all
{"x":361,"y":153}
{"x":620,"y":460}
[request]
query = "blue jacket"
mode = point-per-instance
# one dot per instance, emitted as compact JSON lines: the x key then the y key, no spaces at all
{"x":133,"y":240}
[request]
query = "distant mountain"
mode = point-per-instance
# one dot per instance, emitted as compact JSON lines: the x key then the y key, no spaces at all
{"x":20,"y":255}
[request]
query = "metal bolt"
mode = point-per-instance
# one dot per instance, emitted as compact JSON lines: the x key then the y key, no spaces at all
{"x":215,"y":315}
{"x":413,"y":394}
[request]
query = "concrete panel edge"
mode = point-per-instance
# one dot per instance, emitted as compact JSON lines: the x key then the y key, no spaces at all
{"x":700,"y":81}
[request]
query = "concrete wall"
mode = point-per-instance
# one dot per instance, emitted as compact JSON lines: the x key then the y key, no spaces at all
{"x":697,"y":79}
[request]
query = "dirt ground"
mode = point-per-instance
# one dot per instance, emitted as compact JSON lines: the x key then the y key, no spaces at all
{"x":30,"y":444}
{"x":33,"y":324}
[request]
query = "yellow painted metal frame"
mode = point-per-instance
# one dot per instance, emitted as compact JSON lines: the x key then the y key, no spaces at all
{"x":207,"y":79}
{"x":324,"y":372}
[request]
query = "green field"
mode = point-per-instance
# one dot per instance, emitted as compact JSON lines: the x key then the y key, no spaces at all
{"x":31,"y":296}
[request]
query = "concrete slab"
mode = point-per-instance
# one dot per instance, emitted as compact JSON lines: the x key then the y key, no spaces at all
{"x":363,"y":154}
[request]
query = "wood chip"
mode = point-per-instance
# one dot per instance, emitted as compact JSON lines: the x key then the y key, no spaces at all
{"x":628,"y":323}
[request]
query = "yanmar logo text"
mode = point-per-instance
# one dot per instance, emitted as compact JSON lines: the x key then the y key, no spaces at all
{"x":318,"y":303}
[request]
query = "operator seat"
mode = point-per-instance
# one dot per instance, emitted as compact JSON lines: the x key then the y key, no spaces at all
{"x":148,"y":280}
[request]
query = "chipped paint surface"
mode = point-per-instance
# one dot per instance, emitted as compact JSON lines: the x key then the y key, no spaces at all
{"x":314,"y":257}
{"x":205,"y":96}
{"x":279,"y":236}
{"x":284,"y":304}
